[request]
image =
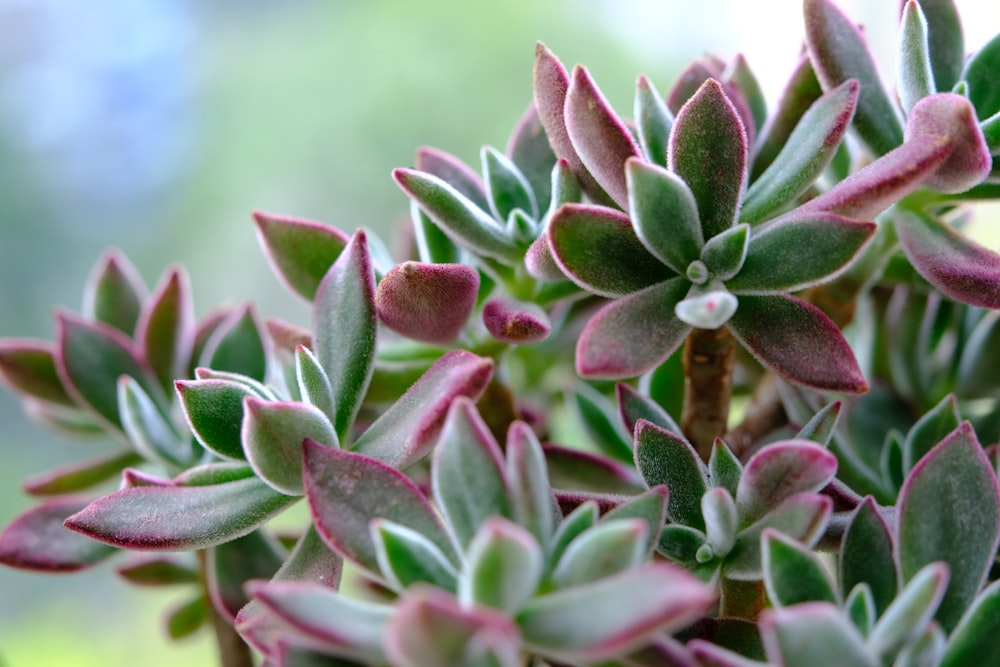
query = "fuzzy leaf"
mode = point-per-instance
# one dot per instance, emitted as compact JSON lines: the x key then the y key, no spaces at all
{"x":722,"y":520}
{"x":812,"y":633}
{"x":839,"y":52}
{"x":272,"y":435}
{"x":949,"y":509}
{"x":633,"y":406}
{"x":597,"y":417}
{"x":455,"y":173}
{"x":173,"y":518}
{"x":725,"y":253}
{"x":708,"y":150}
{"x":408,"y":429}
{"x":515,"y":322}
{"x":945,"y":42}
{"x":157,"y":571}
{"x":232,"y":564}
{"x":653,"y":122}
{"x":979,"y":74}
{"x":599,"y":137}
{"x":599,"y":251}
{"x":237,"y":345}
{"x":724,"y":469}
{"x":114,"y":293}
{"x":914,"y":78}
{"x":807,"y":152}
{"x":405,"y":557}
{"x":605,"y":550}
{"x":506,"y":186}
{"x":651,"y":507}
{"x":793,"y":574}
{"x":529,"y":149}
{"x":210,"y":474}
{"x":344,"y":329}
{"x":313,"y":382}
{"x":821,"y":427}
{"x":974,"y":640}
{"x":608,"y":346}
{"x":165,"y":331}
{"x":433,"y":245}
{"x":743,"y":79}
{"x":347,"y":490}
{"x":979,"y":357}
{"x":37,"y":540}
{"x":467,"y":474}
{"x":907,"y":617}
{"x":81,"y":475}
{"x":611,"y":617}
{"x":681,"y":544}
{"x":28,"y":367}
{"x":956,"y":265}
{"x":798,"y":342}
{"x":503,"y":567}
{"x":150,"y":433}
{"x":860,"y":608}
{"x":214,"y":411}
{"x":427,"y":302}
{"x":300,"y":251}
{"x":532,"y":503}
{"x":666,"y":458}
{"x":801,"y":91}
{"x":571,"y":469}
{"x":780,"y":470}
{"x":866,"y":555}
{"x":949,"y":119}
{"x":665,"y":214}
{"x":929,"y":430}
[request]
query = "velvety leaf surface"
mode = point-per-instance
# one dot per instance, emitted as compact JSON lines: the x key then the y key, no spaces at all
{"x":839,"y":52}
{"x":866,"y":555}
{"x":28,"y":366}
{"x":722,"y":520}
{"x":347,"y":490}
{"x":232,"y":564}
{"x":914,"y":78}
{"x":344,"y":329}
{"x":820,"y":427}
{"x":945,"y":41}
{"x":973,"y":641}
{"x":664,"y":213}
{"x":907,"y":617}
{"x":37,"y":540}
{"x":608,"y":346}
{"x":724,"y":468}
{"x":313,"y":382}
{"x":503,"y":567}
{"x":724,"y":253}
{"x":954,"y":264}
{"x":81,"y":475}
{"x":454,"y":172}
{"x":165,"y":331}
{"x":571,"y":469}
{"x":650,"y":507}
{"x":780,"y":470}
{"x":238,"y":346}
{"x":599,"y":137}
{"x":210,"y":474}
{"x":949,"y":509}
{"x":406,"y":557}
{"x":933,"y":427}
{"x":272,"y":435}
{"x":793,"y":574}
{"x":802,"y":517}
{"x":148,"y":431}
{"x":529,"y":149}
{"x":598,"y":249}
{"x":979,"y":73}
{"x":653,"y":122}
{"x":506,"y":186}
{"x":605,"y":550}
{"x":633,"y":406}
{"x":808,"y":634}
{"x":950,"y":119}
{"x":860,"y":608}
{"x":214,"y":411}
{"x":597,"y":416}
{"x":798,"y":342}
{"x":708,"y":150}
{"x":663,"y":457}
{"x":515,"y":322}
{"x":799,"y":93}
{"x":168,"y":518}
{"x":157,"y":571}
{"x":427,"y":302}
{"x":114,"y":292}
{"x":408,"y":429}
{"x":532,"y":504}
{"x":300,"y":251}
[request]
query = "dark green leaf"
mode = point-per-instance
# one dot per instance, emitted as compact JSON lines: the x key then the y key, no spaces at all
{"x":866,"y":555}
{"x":929,"y":430}
{"x":165,"y":332}
{"x":599,"y":420}
{"x":157,"y":571}
{"x":232,"y":564}
{"x":974,"y":640}
{"x":406,"y":557}
{"x":798,"y":95}
{"x":945,"y":41}
{"x":664,"y":214}
{"x":187,"y":618}
{"x":81,"y":475}
{"x":724,"y":469}
{"x":792,"y":573}
{"x":29,"y":367}
{"x":114,"y":293}
{"x":633,"y":406}
{"x":980,"y":77}
{"x":724,"y":253}
{"x":666,"y":458}
{"x":214,"y":411}
{"x":653,"y":121}
{"x":300,"y":251}
{"x":506,"y":186}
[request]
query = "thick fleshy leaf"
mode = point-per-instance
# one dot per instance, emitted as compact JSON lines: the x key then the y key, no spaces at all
{"x":653,"y":121}
{"x":907,"y":617}
{"x":949,"y":509}
{"x":650,"y":507}
{"x":605,"y":550}
{"x":81,"y":475}
{"x":793,"y":574}
{"x":454,"y":172}
{"x":866,"y":555}
{"x":515,"y":322}
{"x":599,"y":251}
{"x":945,"y":41}
{"x":722,"y":521}
{"x":634,"y":405}
{"x":157,"y":571}
{"x":979,"y":75}
{"x":427,"y":302}
{"x":155,"y":438}
{"x":238,"y":345}
{"x":663,"y":457}
{"x":37,"y":540}
{"x":532,"y":504}
{"x":571,"y":469}
{"x":611,"y":617}
{"x":272,"y":434}
{"x":681,"y":544}
{"x":214,"y":411}
{"x":114,"y":292}
{"x":956,"y":265}
{"x":300,"y":251}
{"x":936,"y":424}
{"x":529,"y":149}
{"x":28,"y":367}
{"x":506,"y":186}
{"x":408,"y":429}
{"x":599,"y":137}
{"x":807,"y":152}
{"x":950,"y":119}
{"x":174,"y":518}
{"x":839,"y":52}
{"x":465,"y":222}
{"x":780,"y":470}
{"x":798,"y":342}
{"x":344,"y":329}
{"x":801,"y":91}
{"x":664,"y":214}
{"x":821,"y":427}
{"x":405,"y":557}
{"x":347,"y":490}
{"x":724,"y":253}
{"x":503,"y":567}
{"x":313,"y":382}
{"x":974,"y":640}
{"x":433,"y":245}
{"x":232,"y":564}
{"x":596,"y":415}
{"x":796,"y":253}
{"x":724,"y":468}
{"x":210,"y":474}
{"x":165,"y":331}
{"x":812,"y":633}
{"x":742,"y":78}
{"x":708,"y":150}
{"x":467,"y":474}
{"x":860,"y":608}
{"x":914,"y":78}
{"x":608,"y":346}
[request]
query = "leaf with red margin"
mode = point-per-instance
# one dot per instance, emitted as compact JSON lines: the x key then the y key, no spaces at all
{"x":165,"y":333}
{"x":299,"y":251}
{"x":430,"y":303}
{"x":515,"y":322}
{"x":81,"y":475}
{"x":454,"y":172}
{"x":28,"y":366}
{"x":114,"y":292}
{"x":238,"y":345}
{"x":529,"y":149}
{"x":777,"y":472}
{"x":950,"y":118}
{"x":664,"y":214}
{"x":38,"y":540}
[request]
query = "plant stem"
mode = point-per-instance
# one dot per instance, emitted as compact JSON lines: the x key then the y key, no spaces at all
{"x":708,"y":386}
{"x":741,"y":599}
{"x":233,"y":651}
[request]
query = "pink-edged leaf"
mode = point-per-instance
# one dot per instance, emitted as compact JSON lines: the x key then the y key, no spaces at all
{"x":516,"y":322}
{"x":37,"y":540}
{"x":73,"y":421}
{"x":651,"y":508}
{"x":529,"y":149}
{"x":206,"y":326}
{"x":667,"y":458}
{"x":793,"y":573}
{"x":708,"y":150}
{"x":600,"y":138}
{"x":503,"y":566}
{"x":599,"y":251}
{"x":665,"y":214}
{"x":839,"y":52}
{"x":157,"y":571}
{"x":90,"y":357}
{"x":532,"y":503}
{"x":611,"y":617}
{"x":344,"y":328}
{"x":427,"y":302}
{"x":634,"y":405}
{"x":909,"y":615}
{"x":214,"y":412}
{"x":81,"y":475}
{"x":951,"y":119}
{"x":454,"y":172}
{"x":346,"y":490}
{"x":114,"y":292}
{"x":132,"y":477}
{"x":780,"y":470}
{"x":174,"y":518}
{"x":210,"y":474}
{"x":653,"y":121}
{"x":604,"y":550}
{"x":430,"y":628}
{"x":812,"y":633}
{"x":238,"y":345}
{"x":287,"y":336}
{"x":232,"y":564}
{"x":300,"y":251}
{"x":948,"y":510}
{"x":575,"y":470}
{"x":956,"y":265}
{"x":408,"y":429}
{"x":507,"y":187}
{"x":165,"y":333}
{"x":272,"y":435}
{"x":801,"y":90}
{"x":797,"y":341}
{"x":28,"y":366}
{"x":866,"y":555}
{"x":609,"y":346}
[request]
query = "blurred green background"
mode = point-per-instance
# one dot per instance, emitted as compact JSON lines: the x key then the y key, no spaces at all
{"x":158,"y":126}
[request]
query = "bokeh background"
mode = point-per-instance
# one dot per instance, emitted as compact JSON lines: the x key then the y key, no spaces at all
{"x":158,"y":126}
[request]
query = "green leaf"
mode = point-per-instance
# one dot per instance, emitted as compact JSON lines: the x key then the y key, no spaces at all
{"x":214,"y":411}
{"x":708,"y":150}
{"x":945,"y":42}
{"x":237,"y":345}
{"x":114,"y":293}
{"x":174,"y":518}
{"x":532,"y":502}
{"x":973,"y":641}
{"x":406,"y":557}
{"x":722,"y":521}
{"x":866,"y":555}
{"x":949,"y":509}
{"x":653,"y":121}
{"x":150,"y":433}
{"x":454,"y":172}
{"x":599,"y":421}
{"x":433,"y":245}
{"x":724,"y":253}
{"x":300,"y":251}
{"x":313,"y":382}
{"x":81,"y":475}
{"x":777,"y":472}
{"x":809,"y":634}
{"x":529,"y":149}
{"x":666,"y":458}
{"x":724,"y":469}
{"x":344,"y":329}
{"x":802,"y":517}
{"x":651,"y":507}
{"x":664,"y":214}
{"x":839,"y":52}
{"x":503,"y":567}
{"x":806,"y":153}
{"x":914,"y":78}
{"x":28,"y":366}
{"x":187,"y":618}
{"x":821,"y":427}
{"x":211,"y":474}
{"x":909,"y":614}
{"x":860,"y":608}
{"x":792,"y":573}
{"x":165,"y":331}
{"x":798,"y":95}
{"x":37,"y":540}
{"x":633,"y":406}
{"x":929,"y":430}
{"x":605,"y":550}
{"x":506,"y":186}
{"x":574,"y":524}
{"x":232,"y":564}
{"x":157,"y":571}
{"x":740,"y":75}
{"x":979,"y":76}
{"x":681,"y":544}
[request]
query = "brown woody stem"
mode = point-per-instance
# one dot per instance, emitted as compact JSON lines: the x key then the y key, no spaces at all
{"x":708,"y":386}
{"x":233,"y":651}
